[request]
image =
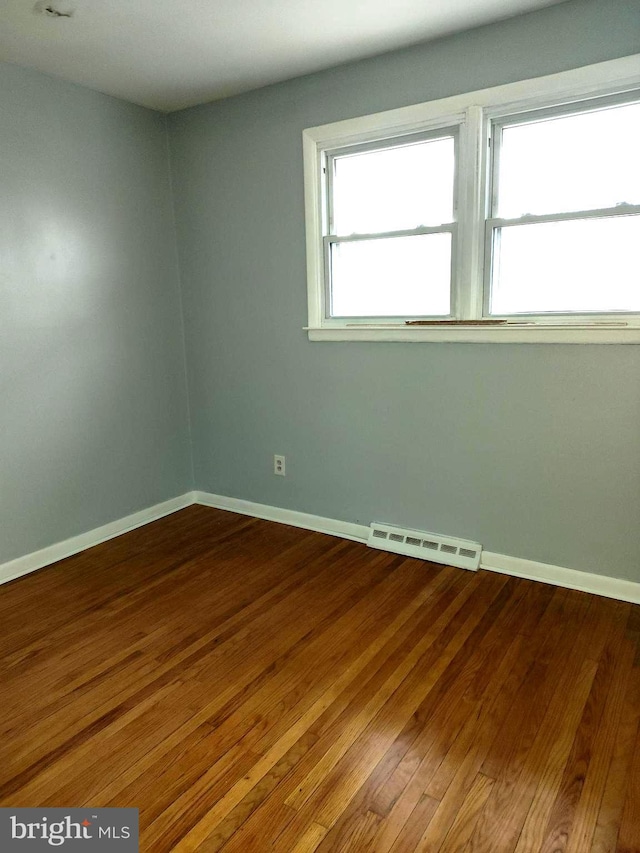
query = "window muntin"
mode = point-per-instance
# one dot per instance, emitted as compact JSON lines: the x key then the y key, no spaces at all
{"x":557,"y":242}
{"x":391,"y":212}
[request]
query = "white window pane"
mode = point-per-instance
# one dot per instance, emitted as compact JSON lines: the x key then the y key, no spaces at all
{"x":576,"y":162}
{"x":576,"y":265}
{"x":392,"y":277}
{"x":395,"y":189}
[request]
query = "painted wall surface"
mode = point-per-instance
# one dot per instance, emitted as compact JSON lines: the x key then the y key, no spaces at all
{"x":93,"y":409}
{"x":532,"y":450}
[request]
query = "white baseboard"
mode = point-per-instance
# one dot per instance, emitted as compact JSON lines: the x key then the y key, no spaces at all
{"x":622,"y":590}
{"x":344,"y":529}
{"x":529,"y":569}
{"x":560,"y":576}
{"x":39,"y":559}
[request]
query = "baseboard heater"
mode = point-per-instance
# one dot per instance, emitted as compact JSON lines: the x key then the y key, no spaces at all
{"x":425,"y":546}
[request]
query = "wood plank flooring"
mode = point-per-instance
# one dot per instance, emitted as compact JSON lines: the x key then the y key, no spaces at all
{"x":253,"y":687}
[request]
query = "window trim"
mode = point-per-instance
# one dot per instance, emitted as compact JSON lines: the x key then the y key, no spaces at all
{"x":472,"y":113}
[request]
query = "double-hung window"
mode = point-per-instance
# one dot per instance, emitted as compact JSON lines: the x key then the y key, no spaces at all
{"x":510,"y":214}
{"x":564,"y":226}
{"x":391,"y":217}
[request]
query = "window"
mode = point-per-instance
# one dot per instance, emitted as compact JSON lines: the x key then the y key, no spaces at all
{"x":391,"y":218}
{"x":565,"y":226}
{"x":511,"y":214}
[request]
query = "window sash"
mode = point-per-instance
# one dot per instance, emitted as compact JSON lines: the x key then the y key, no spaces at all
{"x":330,"y":157}
{"x":495,"y":226}
{"x":499,"y":123}
{"x":331,"y":239}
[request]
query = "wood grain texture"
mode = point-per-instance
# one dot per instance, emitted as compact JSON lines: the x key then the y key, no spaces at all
{"x":255,"y":687}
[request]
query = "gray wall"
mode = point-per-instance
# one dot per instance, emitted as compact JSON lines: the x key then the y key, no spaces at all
{"x":532,"y":450}
{"x":93,"y":409}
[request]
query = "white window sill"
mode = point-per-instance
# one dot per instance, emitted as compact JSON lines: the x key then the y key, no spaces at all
{"x":508,"y":334}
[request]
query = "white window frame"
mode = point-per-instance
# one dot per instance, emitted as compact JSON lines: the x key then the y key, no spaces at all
{"x":473,"y":114}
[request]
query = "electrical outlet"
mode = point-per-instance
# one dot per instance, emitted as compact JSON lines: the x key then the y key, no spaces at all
{"x":279,"y":465}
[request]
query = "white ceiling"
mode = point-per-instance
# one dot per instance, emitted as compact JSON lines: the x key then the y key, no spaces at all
{"x":169,"y":54}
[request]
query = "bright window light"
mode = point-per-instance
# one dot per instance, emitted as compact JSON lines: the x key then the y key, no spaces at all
{"x":394,"y":189}
{"x":575,"y":162}
{"x":390,"y":196}
{"x":398,"y":276}
{"x":569,"y":178}
{"x":583,"y":265}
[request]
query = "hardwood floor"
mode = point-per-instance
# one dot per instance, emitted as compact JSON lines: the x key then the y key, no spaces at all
{"x":254,"y":687}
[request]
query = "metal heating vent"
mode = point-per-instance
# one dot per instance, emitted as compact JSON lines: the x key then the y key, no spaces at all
{"x":425,"y":546}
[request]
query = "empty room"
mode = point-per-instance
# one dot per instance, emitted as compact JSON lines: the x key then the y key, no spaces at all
{"x":320,"y":426}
